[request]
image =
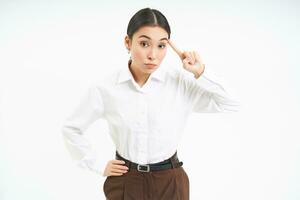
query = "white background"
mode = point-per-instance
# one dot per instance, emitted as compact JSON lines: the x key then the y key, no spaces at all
{"x":50,"y":51}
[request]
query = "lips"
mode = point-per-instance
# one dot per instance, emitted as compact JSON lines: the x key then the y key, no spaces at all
{"x":150,"y":65}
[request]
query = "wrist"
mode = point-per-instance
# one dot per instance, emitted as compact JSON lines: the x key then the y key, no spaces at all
{"x":199,"y":71}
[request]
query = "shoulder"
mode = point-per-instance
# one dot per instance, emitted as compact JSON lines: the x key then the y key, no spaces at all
{"x":107,"y":81}
{"x":178,"y":75}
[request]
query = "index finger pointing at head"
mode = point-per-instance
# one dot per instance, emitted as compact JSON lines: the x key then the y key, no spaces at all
{"x":179,"y":53}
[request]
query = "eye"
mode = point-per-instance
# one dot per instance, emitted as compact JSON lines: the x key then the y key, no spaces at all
{"x":144,"y":44}
{"x":162,"y":46}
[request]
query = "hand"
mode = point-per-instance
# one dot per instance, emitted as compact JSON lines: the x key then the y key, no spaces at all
{"x":191,"y":60}
{"x":115,"y":168}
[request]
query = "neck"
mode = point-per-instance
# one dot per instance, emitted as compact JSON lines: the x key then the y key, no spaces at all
{"x":139,"y":77}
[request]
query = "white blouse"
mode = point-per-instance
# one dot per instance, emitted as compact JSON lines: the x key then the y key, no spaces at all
{"x":145,"y":123}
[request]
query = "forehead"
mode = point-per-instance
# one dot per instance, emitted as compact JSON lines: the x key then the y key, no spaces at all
{"x":155,"y":33}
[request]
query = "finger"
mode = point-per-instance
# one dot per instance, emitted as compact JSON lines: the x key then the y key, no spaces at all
{"x":115,"y":174}
{"x":192,"y":58}
{"x":185,"y":63}
{"x":188,"y":57}
{"x":118,"y":162}
{"x":119,"y":167}
{"x":179,"y":52}
{"x":198,"y":57}
{"x":118,"y":171}
{"x":195,"y":55}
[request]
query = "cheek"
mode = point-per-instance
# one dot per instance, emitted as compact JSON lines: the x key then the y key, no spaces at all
{"x":163,"y":54}
{"x":139,"y":54}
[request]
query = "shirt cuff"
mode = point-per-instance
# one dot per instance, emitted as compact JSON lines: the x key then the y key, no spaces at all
{"x":90,"y":162}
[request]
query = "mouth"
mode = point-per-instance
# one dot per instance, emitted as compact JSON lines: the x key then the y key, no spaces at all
{"x":150,"y":65}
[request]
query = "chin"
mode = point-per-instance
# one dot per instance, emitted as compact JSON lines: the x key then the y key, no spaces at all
{"x":150,"y":70}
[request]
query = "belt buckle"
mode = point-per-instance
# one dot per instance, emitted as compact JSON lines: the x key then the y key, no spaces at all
{"x":143,"y":170}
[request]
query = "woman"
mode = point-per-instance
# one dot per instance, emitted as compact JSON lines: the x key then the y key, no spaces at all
{"x":146,"y":108}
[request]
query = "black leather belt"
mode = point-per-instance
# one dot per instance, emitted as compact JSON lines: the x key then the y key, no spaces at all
{"x":170,"y":163}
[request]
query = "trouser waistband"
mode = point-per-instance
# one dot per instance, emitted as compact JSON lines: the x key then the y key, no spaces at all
{"x":172,"y":162}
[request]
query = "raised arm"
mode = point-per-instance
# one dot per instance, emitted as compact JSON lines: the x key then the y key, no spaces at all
{"x":208,"y":93}
{"x":205,"y":92}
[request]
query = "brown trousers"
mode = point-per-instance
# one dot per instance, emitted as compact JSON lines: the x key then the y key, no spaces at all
{"x":170,"y":184}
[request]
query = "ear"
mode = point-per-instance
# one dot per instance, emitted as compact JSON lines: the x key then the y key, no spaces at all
{"x":127,"y":42}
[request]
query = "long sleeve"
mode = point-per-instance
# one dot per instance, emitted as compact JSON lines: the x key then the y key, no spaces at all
{"x":208,"y":94}
{"x":89,"y":109}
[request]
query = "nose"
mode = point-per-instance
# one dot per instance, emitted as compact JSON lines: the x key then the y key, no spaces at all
{"x":151,"y":54}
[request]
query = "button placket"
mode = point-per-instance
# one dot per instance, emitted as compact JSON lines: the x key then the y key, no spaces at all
{"x":142,"y":128}
{"x":142,"y":122}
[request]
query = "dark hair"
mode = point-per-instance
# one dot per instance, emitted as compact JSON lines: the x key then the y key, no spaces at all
{"x":147,"y":17}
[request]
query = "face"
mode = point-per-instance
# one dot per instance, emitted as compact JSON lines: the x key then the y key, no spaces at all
{"x":148,"y":48}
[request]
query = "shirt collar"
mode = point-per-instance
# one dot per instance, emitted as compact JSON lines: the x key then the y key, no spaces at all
{"x":125,"y":74}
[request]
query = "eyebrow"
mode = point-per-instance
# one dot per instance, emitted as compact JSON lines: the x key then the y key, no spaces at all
{"x":150,"y":38}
